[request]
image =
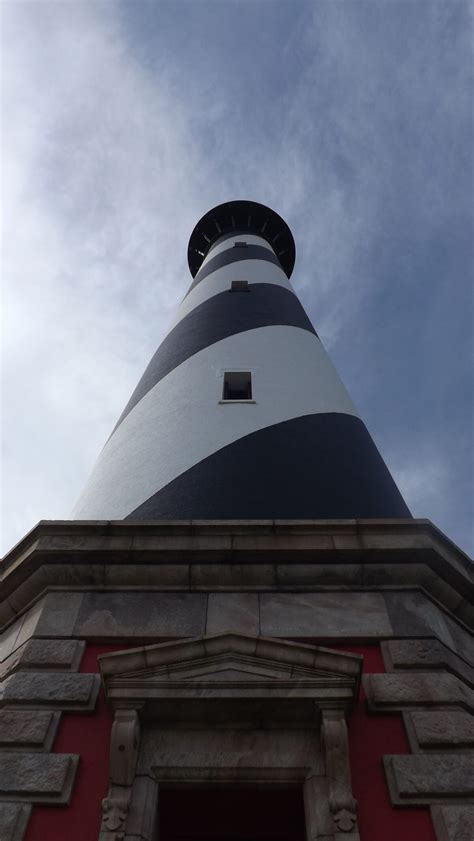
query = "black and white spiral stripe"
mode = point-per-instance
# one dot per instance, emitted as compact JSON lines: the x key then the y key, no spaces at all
{"x":298,"y":450}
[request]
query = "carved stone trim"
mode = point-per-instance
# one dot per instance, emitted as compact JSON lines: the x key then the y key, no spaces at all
{"x":234,"y":667}
{"x":114,"y":813}
{"x":227,"y":774}
{"x":342,"y":804}
{"x":124,"y":744}
{"x":182,"y":684}
{"x":143,"y":811}
{"x":124,"y":747}
{"x":319,"y":822}
{"x":14,"y":819}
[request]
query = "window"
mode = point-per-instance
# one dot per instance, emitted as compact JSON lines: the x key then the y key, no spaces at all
{"x":240,"y":245}
{"x":239,"y":286}
{"x":237,"y":385}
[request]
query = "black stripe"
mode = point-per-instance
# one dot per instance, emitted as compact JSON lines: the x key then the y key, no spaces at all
{"x":323,"y":466}
{"x":233,"y":255}
{"x":223,"y":315}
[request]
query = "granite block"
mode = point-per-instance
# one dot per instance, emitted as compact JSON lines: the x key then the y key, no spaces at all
{"x":313,"y":575}
{"x":453,"y":823}
{"x":159,"y":575}
{"x":224,"y":576}
{"x":339,"y":614}
{"x":141,"y":615}
{"x":230,"y":750}
{"x":412,"y":614}
{"x":433,"y":729}
{"x":30,"y":622}
{"x":59,"y":614}
{"x":37,"y":777}
{"x":14,"y":819}
{"x":8,"y":639}
{"x":425,"y":689}
{"x":53,"y":689}
{"x":28,"y":729}
{"x":420,"y":779}
{"x":425,"y":654}
{"x":44,"y":654}
{"x":238,"y":612}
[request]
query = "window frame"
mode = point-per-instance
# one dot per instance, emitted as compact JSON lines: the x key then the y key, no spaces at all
{"x":225,"y":400}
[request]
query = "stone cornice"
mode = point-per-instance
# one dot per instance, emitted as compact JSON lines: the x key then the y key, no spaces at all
{"x":182,"y":555}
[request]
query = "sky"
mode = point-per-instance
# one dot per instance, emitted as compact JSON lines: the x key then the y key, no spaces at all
{"x":124,"y":122}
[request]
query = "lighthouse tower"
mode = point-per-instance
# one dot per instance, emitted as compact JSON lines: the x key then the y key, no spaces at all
{"x":241,"y":634}
{"x":240,"y":413}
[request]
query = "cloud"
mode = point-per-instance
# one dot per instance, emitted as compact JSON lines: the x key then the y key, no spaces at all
{"x":424,"y":484}
{"x":127,"y":121}
{"x":96,"y":163}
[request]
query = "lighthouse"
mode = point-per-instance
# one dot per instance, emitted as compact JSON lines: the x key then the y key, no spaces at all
{"x":241,"y":634}
{"x":240,"y":414}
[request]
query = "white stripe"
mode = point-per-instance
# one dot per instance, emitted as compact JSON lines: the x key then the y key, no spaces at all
{"x":180,"y":421}
{"x":250,"y":239}
{"x":255,"y":271}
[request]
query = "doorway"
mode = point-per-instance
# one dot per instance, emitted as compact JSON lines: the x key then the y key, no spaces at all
{"x":227,"y":813}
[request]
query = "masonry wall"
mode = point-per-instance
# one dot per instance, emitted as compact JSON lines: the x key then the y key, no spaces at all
{"x":411,"y":737}
{"x":370,"y":737}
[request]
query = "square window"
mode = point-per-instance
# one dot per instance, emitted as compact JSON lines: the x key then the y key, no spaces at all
{"x":237,"y":385}
{"x":239,"y":286}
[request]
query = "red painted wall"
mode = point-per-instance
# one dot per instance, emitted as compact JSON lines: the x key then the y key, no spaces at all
{"x":370,"y":737}
{"x":87,"y":734}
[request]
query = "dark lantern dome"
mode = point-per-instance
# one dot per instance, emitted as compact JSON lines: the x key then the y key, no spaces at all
{"x":241,"y":217}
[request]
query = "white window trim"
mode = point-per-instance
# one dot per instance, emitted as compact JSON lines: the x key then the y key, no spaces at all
{"x":229,"y":370}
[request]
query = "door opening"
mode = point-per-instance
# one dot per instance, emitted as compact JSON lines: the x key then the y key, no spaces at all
{"x":227,"y":813}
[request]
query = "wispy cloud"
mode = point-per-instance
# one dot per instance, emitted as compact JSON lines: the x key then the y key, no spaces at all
{"x":97,"y":162}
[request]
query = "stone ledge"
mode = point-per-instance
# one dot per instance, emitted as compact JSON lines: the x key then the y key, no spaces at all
{"x":32,"y":730}
{"x":453,"y":823}
{"x":419,"y":779}
{"x":14,"y":819}
{"x":360,"y":543}
{"x":44,"y":654}
{"x":429,"y":729}
{"x":63,"y":691}
{"x":424,"y":655}
{"x":37,"y":777}
{"x":393,"y":692}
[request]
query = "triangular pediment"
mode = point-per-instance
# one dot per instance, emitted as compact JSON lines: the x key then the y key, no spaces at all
{"x":231,"y":665}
